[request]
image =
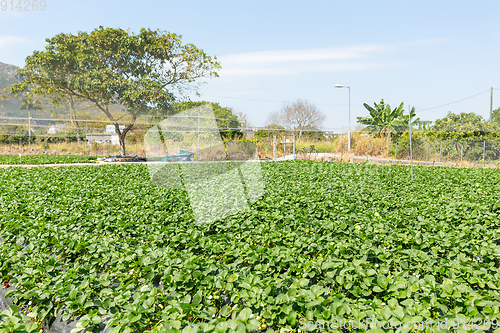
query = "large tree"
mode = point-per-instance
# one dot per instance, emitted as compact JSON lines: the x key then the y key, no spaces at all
{"x":297,"y":116}
{"x":465,"y":131}
{"x":463,"y":127}
{"x":495,"y":117}
{"x":143,"y":73}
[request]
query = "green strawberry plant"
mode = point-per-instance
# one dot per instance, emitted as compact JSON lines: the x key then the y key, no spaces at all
{"x":45,"y":159}
{"x":104,"y":246}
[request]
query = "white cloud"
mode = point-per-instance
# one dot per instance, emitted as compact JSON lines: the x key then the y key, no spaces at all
{"x":430,"y":41}
{"x":7,"y":41}
{"x":294,"y":62}
{"x":333,"y":53}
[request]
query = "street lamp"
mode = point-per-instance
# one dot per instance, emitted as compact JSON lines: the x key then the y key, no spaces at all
{"x":349,"y":130}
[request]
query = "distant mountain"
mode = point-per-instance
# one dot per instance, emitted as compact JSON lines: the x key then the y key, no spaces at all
{"x":7,"y":78}
{"x":10,"y":107}
{"x":8,"y":75}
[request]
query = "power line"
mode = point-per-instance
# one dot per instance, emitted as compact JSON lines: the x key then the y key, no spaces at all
{"x":272,"y":101}
{"x":358,"y":106}
{"x":463,"y":99}
{"x":109,"y":121}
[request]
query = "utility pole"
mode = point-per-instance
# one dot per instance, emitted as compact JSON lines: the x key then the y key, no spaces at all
{"x":491,"y":104}
{"x":349,"y":130}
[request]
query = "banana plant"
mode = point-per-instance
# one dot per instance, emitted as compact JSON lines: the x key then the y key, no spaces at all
{"x":383,"y":119}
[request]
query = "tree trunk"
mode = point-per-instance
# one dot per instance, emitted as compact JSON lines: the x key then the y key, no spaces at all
{"x":78,"y":133}
{"x":128,"y":128}
{"x":121,"y":138}
{"x":123,"y":134}
{"x":73,"y":118}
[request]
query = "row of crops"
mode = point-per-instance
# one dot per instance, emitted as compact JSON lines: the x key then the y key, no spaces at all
{"x":45,"y":159}
{"x":326,"y":242}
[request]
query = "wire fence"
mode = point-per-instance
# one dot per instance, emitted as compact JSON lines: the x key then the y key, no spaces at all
{"x":21,"y":135}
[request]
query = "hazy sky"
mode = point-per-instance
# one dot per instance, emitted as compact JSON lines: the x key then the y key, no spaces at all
{"x":422,"y":53}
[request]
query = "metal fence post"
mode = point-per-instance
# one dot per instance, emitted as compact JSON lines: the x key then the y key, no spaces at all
{"x":29,"y":132}
{"x":396,"y":153}
{"x":315,"y":141}
{"x":484,"y":152}
{"x":440,"y":150}
{"x":461,"y":155}
{"x":411,"y":151}
{"x":274,"y":147}
{"x":267,"y":141}
{"x":387,"y":146}
{"x":284,"y":143}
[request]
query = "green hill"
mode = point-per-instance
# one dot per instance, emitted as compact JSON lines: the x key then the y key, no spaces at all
{"x":8,"y":77}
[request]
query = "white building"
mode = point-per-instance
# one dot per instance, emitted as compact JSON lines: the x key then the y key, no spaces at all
{"x":55,"y":129}
{"x":103,"y":137}
{"x":109,"y":136}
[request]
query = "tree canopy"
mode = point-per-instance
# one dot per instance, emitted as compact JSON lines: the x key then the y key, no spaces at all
{"x":463,"y":125}
{"x":495,"y":117}
{"x":30,"y":102}
{"x":297,"y":116}
{"x":227,"y":121}
{"x":108,"y":66}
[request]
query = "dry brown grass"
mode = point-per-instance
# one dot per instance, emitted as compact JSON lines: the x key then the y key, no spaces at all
{"x":377,"y":147}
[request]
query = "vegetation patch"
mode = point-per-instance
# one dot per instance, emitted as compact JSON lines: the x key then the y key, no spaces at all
{"x":45,"y":159}
{"x":327,"y":241}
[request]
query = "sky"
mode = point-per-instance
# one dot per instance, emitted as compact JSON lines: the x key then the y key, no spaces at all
{"x":424,"y":53}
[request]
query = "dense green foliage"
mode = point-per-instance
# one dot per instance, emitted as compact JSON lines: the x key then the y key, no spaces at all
{"x":327,"y":240}
{"x":141,"y":72}
{"x":382,"y":119}
{"x":227,"y":121}
{"x":463,"y":126}
{"x":13,"y":321}
{"x":45,"y":159}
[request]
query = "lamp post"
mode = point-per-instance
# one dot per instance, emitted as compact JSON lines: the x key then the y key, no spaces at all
{"x":349,"y":129}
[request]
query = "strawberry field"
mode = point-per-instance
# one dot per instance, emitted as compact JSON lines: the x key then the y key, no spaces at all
{"x":327,"y":241}
{"x":45,"y":159}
